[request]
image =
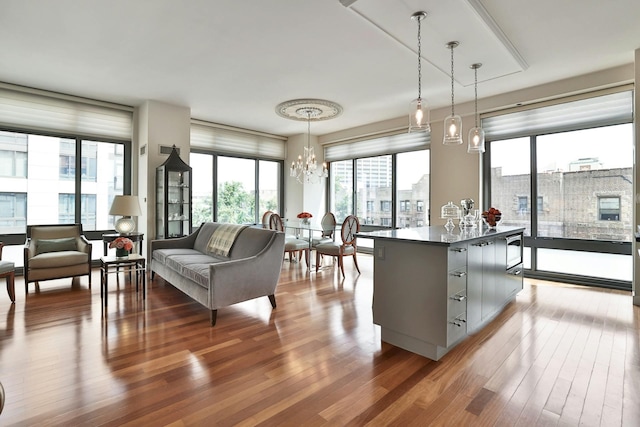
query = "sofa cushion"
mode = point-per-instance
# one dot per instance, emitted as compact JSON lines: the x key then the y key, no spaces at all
{"x":58,"y":259}
{"x":199,"y":273}
{"x":161,"y":254}
{"x":56,"y":245}
{"x":178,"y":262}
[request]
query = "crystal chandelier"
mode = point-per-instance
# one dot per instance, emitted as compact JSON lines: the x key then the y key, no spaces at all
{"x":306,"y":168}
{"x":453,"y":122}
{"x":418,"y":109}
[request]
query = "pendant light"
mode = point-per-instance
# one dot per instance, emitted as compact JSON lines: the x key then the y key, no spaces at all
{"x":476,"y":134}
{"x":419,"y":111}
{"x":452,"y":123}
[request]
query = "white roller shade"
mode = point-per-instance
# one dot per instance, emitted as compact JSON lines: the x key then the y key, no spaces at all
{"x":33,"y":111}
{"x":377,"y":146}
{"x":221,"y":139}
{"x":615,"y":108}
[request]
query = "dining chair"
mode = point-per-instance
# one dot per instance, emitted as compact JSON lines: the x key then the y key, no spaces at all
{"x":328,"y":225}
{"x":348,"y":247}
{"x":292,"y":244}
{"x":265,"y":218}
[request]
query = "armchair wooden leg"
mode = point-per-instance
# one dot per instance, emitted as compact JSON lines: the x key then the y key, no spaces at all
{"x":11,"y":288}
{"x":272,"y":300}
{"x":317,"y":260}
{"x":213,"y":317}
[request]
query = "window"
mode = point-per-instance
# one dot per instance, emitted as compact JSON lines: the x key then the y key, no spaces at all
{"x":341,"y":189}
{"x":370,"y":207}
{"x":52,"y":186}
{"x":13,"y":154}
{"x":581,"y":178}
{"x":609,"y":208}
{"x":235,"y":198}
{"x":374,"y":182}
{"x":523,"y":204}
{"x":66,"y":210}
{"x":13,"y":212}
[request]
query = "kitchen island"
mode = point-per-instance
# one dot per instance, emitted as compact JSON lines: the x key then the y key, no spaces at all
{"x":432,"y":287}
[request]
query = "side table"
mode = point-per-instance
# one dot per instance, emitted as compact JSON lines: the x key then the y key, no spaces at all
{"x":112,"y":264}
{"x":110,"y":237}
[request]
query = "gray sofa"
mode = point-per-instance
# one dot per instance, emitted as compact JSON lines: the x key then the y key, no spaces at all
{"x":250,"y":270}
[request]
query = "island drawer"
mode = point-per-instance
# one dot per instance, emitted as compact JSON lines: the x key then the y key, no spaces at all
{"x":456,"y":329}
{"x":457,"y":256}
{"x":457,"y":304}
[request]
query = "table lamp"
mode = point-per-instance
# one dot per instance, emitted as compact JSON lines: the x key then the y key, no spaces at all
{"x":127,"y":206}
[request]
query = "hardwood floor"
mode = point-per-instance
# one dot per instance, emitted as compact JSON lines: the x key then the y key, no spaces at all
{"x":559,"y":355}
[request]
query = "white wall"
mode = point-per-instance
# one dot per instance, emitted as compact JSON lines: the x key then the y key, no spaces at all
{"x":158,"y":124}
{"x":635,"y":287}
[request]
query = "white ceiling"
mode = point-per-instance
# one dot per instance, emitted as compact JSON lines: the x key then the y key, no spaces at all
{"x":233,"y":61}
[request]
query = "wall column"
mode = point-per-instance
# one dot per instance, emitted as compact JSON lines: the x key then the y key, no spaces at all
{"x":635,"y":286}
{"x":158,"y":125}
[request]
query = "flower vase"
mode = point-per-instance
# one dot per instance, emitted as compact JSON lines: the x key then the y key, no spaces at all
{"x":122,"y":253}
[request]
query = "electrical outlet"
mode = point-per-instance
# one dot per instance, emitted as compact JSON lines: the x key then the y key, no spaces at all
{"x":380,"y":252}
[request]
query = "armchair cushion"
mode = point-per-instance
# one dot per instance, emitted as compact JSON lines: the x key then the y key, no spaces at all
{"x":56,"y":245}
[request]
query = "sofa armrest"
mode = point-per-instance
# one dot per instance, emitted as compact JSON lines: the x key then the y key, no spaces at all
{"x":178,"y":242}
{"x":239,"y":280}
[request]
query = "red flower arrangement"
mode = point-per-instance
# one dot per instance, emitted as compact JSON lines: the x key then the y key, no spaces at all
{"x":122,"y":243}
{"x":305,"y":215}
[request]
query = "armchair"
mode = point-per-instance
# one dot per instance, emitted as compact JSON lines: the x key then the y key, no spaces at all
{"x":55,"y":251}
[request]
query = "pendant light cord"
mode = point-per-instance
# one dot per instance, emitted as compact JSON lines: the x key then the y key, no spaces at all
{"x":419,"y":61}
{"x":452,"y":98}
{"x":475,"y":69}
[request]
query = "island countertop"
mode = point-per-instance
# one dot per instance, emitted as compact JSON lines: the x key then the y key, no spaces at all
{"x":438,"y":235}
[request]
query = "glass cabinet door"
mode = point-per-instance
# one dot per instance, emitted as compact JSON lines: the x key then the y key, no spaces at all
{"x":173,"y":198}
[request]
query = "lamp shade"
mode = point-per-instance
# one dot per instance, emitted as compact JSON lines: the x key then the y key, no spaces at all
{"x":127,"y":206}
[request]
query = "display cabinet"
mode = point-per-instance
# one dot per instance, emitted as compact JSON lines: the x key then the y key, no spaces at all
{"x":173,"y":197}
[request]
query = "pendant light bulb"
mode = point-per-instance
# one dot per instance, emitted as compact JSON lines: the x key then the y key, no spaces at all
{"x":453,"y":122}
{"x":476,"y":134}
{"x":418,"y":109}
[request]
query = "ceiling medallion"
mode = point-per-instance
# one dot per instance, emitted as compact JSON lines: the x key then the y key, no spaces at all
{"x":299,"y":109}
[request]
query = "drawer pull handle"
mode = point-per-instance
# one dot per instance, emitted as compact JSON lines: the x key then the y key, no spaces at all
{"x":459,"y":250}
{"x":458,"y":322}
{"x":458,"y":297}
{"x":460,"y":273}
{"x":517,"y":272}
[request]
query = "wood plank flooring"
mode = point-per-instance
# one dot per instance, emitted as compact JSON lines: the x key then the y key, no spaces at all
{"x":560,"y":355}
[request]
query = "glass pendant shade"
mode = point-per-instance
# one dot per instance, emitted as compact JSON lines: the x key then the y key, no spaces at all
{"x":419,"y":116}
{"x":476,"y":140}
{"x":452,"y":130}
{"x":476,"y":134}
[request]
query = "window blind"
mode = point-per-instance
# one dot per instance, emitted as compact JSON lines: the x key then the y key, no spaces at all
{"x":377,"y":146}
{"x":224,"y":140}
{"x":615,"y":108}
{"x":39,"y":111}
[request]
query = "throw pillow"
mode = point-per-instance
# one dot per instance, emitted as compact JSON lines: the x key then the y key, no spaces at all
{"x":56,"y":245}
